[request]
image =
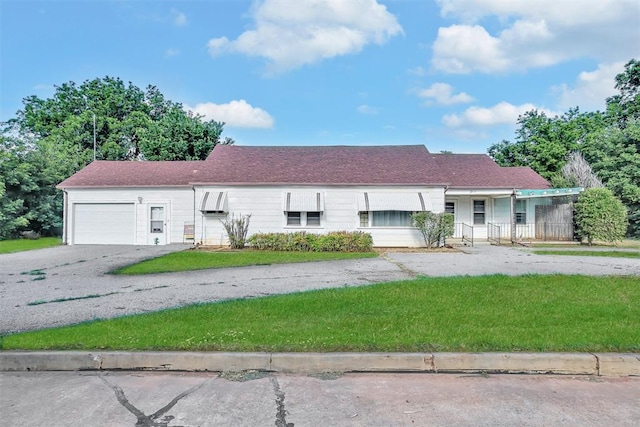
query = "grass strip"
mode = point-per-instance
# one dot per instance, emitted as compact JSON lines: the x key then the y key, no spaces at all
{"x":486,"y":313}
{"x":611,"y":254}
{"x":20,"y":245}
{"x":200,"y":260}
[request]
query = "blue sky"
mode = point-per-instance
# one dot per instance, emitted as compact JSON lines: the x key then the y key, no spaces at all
{"x":449,"y":74}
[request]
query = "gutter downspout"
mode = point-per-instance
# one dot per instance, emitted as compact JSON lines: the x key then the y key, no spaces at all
{"x":513,"y":217}
{"x":193,"y":187}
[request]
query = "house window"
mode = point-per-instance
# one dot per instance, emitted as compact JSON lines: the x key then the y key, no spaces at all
{"x":313,"y":219}
{"x":157,"y":219}
{"x":450,"y":207}
{"x":293,"y":218}
{"x":478,"y":212}
{"x":303,"y":219}
{"x":521,"y":211}
{"x":364,"y":219}
{"x":391,"y":219}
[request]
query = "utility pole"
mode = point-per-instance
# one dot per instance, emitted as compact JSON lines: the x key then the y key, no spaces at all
{"x":94,"y":136}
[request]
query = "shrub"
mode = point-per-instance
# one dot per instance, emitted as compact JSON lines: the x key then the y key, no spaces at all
{"x":599,"y":215}
{"x":337,"y":241}
{"x":237,"y":229}
{"x":434,"y":227}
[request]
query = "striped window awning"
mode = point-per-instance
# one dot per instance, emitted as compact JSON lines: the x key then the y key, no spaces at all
{"x":412,"y":202}
{"x":303,"y":202}
{"x":214,"y":201}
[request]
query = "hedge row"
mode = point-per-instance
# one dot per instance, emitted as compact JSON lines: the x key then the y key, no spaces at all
{"x":337,"y":241}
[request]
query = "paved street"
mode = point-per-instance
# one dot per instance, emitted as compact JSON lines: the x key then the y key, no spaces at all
{"x":262,"y":399}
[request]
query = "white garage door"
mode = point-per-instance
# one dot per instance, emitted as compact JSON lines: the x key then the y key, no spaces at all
{"x":104,"y":223}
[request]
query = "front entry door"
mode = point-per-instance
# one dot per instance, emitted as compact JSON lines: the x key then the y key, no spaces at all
{"x":158,"y":224}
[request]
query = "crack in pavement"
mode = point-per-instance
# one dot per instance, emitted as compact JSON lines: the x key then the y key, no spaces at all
{"x":149,"y":420}
{"x":400,"y":265}
{"x":281,"y":413}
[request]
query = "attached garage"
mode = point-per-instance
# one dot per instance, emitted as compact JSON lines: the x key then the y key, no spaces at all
{"x":104,"y":223}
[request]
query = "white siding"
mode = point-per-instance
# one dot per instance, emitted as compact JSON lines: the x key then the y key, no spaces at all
{"x":497,"y":211}
{"x":178,"y":202}
{"x":264,"y":203}
{"x":502,"y":210}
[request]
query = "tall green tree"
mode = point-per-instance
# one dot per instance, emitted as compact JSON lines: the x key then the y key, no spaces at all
{"x":625,"y":106}
{"x":50,"y":139}
{"x":15,"y":182}
{"x":131,"y":124}
{"x":614,"y":154}
{"x":609,"y":141}
{"x":543,"y":142}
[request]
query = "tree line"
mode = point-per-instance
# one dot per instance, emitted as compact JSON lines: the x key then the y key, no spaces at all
{"x":609,"y":141}
{"x":50,"y":139}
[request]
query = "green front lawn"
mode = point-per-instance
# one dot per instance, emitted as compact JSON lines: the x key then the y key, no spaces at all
{"x":20,"y":245}
{"x":612,"y":254}
{"x":487,"y":313}
{"x":200,"y":260}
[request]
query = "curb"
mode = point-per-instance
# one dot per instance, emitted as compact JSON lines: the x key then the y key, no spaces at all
{"x":600,"y":364}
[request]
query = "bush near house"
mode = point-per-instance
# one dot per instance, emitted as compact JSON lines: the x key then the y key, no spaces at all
{"x":599,"y":215}
{"x":237,"y":229}
{"x":337,"y":241}
{"x":434,"y":227}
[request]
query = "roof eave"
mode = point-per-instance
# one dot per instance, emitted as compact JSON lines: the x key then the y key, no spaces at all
{"x":368,"y":184}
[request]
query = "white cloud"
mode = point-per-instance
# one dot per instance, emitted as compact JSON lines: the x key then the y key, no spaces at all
{"x":171,"y":52}
{"x":534,"y":34}
{"x":442,"y":93}
{"x":292,"y":34}
{"x":367,"y":109}
{"x":475,"y":134}
{"x":500,"y":114}
{"x":179,"y":18}
{"x":417,"y":71}
{"x":591,"y":88}
{"x":234,"y":114}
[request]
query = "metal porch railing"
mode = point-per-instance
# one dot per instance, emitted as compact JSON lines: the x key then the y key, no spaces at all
{"x":493,"y":233}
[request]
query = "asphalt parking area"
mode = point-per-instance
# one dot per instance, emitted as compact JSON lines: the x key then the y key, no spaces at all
{"x":70,"y":284}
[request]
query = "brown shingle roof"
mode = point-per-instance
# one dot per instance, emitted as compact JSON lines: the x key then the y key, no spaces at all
{"x":228,"y":164}
{"x":103,"y":173}
{"x":480,"y":171}
{"x":401,"y":164}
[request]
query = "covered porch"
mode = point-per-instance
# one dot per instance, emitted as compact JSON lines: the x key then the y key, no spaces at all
{"x":515,"y":215}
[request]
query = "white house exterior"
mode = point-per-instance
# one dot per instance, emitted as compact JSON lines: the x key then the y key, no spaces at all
{"x":286,"y":189}
{"x":490,"y":201}
{"x":318,"y":209}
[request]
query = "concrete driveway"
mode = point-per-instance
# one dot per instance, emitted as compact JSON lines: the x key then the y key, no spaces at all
{"x":69,"y":284}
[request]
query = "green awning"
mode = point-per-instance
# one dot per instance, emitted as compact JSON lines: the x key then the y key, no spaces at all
{"x":549,"y":192}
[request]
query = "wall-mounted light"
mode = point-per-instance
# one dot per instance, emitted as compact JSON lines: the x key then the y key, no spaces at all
{"x":139,"y":199}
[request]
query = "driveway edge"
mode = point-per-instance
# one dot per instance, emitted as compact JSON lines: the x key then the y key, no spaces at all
{"x":600,"y":364}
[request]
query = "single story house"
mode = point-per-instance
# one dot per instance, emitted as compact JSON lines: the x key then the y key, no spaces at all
{"x":286,"y":189}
